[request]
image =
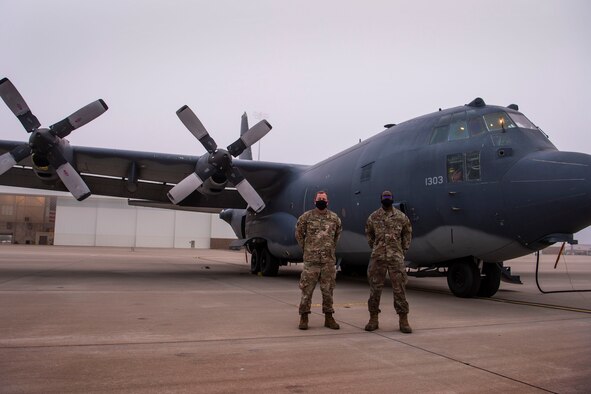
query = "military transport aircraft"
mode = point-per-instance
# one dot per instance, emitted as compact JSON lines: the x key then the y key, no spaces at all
{"x":481,"y":184}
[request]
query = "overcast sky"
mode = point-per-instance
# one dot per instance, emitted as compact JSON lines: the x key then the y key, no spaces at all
{"x":325,"y":73}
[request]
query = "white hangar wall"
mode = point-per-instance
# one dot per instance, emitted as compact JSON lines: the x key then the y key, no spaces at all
{"x":103,"y":221}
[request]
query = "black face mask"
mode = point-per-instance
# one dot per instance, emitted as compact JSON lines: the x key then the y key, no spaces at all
{"x":321,"y":204}
{"x":387,"y":203}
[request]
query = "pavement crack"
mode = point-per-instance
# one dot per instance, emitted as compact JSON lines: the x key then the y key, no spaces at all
{"x":456,"y":360}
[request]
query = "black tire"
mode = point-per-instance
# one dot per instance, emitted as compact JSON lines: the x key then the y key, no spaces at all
{"x":353,"y":270}
{"x":255,"y":261}
{"x":463,"y":279}
{"x":347,"y":270}
{"x":269,"y":264}
{"x":490,"y":282}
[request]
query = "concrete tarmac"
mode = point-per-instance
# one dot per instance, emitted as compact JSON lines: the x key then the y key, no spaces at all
{"x":97,"y":320}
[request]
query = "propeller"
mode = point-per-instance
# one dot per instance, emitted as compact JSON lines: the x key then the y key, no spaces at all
{"x":219,"y":160}
{"x":46,"y":144}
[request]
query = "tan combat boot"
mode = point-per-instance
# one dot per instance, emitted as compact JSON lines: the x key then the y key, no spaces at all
{"x":303,"y":321}
{"x":373,"y":322}
{"x":330,"y":322}
{"x":404,"y":326}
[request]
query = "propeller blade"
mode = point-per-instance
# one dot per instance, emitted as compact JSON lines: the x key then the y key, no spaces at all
{"x":249,"y":138}
{"x":185,"y":187}
{"x":6,"y":162}
{"x":69,"y":176}
{"x":18,"y":106}
{"x":9,"y":159}
{"x":73,"y":181}
{"x":192,"y":122}
{"x":79,"y":118}
{"x":252,"y":198}
{"x":250,"y":195}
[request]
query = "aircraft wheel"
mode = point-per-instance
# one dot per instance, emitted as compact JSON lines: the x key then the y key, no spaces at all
{"x":353,"y":270}
{"x":269,"y":263}
{"x":347,"y":270}
{"x":463,"y":279}
{"x":489,"y":284}
{"x":255,"y":261}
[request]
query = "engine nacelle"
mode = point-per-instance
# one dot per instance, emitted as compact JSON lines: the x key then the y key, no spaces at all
{"x":213,"y":185}
{"x":235,"y":218}
{"x":41,"y":166}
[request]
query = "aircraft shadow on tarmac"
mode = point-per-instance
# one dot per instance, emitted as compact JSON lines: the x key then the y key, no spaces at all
{"x":200,"y":271}
{"x":187,"y":273}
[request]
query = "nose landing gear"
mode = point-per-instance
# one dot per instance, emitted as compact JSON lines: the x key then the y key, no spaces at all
{"x":470,"y":277}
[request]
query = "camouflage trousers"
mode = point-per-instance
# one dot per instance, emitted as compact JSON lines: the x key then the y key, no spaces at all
{"x":376,"y":275}
{"x":312,"y":274}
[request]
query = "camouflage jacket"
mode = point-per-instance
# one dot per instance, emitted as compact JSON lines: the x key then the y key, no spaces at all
{"x":317,"y":234}
{"x":388,"y":233}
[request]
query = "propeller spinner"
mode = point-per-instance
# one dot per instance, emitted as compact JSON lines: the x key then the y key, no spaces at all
{"x":47,"y":143}
{"x":219,"y":160}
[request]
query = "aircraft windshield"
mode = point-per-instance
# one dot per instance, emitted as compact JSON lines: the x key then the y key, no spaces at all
{"x":498,"y":121}
{"x":466,"y":124}
{"x":523,"y":122}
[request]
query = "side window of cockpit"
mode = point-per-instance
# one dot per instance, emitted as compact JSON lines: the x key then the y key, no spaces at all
{"x":439,"y":134}
{"x":455,"y":167}
{"x":473,"y":166}
{"x":441,"y":130}
{"x":463,"y":167}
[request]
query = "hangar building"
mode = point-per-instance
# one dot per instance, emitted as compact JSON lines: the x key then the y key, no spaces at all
{"x":55,"y":218}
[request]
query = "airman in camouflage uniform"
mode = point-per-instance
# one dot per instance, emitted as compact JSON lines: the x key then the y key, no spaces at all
{"x":317,"y":232}
{"x":389,"y":233}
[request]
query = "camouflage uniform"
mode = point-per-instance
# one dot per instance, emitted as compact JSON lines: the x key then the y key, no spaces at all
{"x":317,"y":234}
{"x":388,"y":233}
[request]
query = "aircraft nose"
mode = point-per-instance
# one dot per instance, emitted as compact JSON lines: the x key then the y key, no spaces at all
{"x":547,"y":192}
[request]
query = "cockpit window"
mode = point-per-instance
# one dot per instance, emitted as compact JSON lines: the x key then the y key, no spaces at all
{"x":439,"y":134}
{"x":457,"y":126}
{"x":476,"y":126}
{"x":458,"y":129}
{"x":462,"y":125}
{"x":444,"y":120}
{"x":523,"y":122}
{"x":462,"y":167}
{"x":498,"y":121}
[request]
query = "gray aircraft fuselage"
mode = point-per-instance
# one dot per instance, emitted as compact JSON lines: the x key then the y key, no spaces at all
{"x":499,"y":191}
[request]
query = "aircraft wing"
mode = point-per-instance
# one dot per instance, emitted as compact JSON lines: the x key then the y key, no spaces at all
{"x":107,"y":172}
